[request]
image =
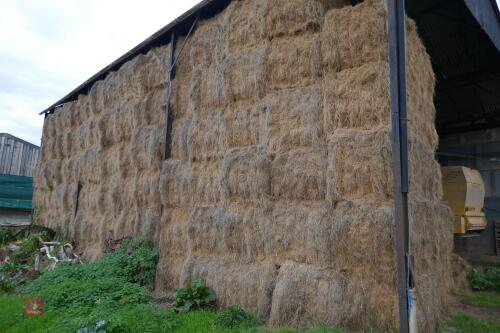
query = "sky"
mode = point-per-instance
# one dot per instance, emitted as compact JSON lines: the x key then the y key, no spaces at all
{"x":49,"y":47}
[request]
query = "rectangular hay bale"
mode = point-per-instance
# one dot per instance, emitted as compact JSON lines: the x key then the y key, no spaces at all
{"x":246,"y":174}
{"x":293,"y":61}
{"x":245,"y":74}
{"x":360,"y":167}
{"x":287,"y":17}
{"x":294,"y":119}
{"x":354,"y":35}
{"x":247,"y":25}
{"x":299,"y":175}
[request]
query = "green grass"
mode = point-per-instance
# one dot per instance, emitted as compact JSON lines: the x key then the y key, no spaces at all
{"x":481,"y":299}
{"x":12,"y":319}
{"x":124,"y":319}
{"x":467,"y":324}
{"x":110,"y":291}
{"x":112,"y":294}
{"x":205,"y":321}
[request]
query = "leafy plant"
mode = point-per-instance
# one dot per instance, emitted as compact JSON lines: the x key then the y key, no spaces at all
{"x":193,"y":296}
{"x":486,"y":279}
{"x":106,"y":295}
{"x":7,"y":235}
{"x":12,"y":275}
{"x":134,"y":262}
{"x":235,"y":316}
{"x":7,"y":285}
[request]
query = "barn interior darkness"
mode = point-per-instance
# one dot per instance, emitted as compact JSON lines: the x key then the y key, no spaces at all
{"x":466,"y":63}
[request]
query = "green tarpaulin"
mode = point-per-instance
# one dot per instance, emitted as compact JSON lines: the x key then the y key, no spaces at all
{"x":16,"y":192}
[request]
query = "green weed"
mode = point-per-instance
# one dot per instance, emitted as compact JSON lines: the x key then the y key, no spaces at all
{"x":194,"y":295}
{"x":6,"y":235}
{"x":235,"y":316}
{"x":485,"y":279}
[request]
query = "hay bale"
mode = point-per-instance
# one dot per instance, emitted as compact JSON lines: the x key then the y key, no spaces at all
{"x":360,"y":167}
{"x":308,"y":233}
{"x":245,"y":125}
{"x":357,"y":97}
{"x":354,"y":35}
{"x":431,"y":243}
{"x":173,"y":250}
{"x":246,"y":174}
{"x":197,"y":184}
{"x":146,"y":147}
{"x":293,"y":119}
{"x":202,"y":137}
{"x":250,"y":285}
{"x":317,"y":292}
{"x":148,"y":110}
{"x":216,"y":230}
{"x":70,"y":169}
{"x":104,"y":128}
{"x":299,"y":175}
{"x":460,"y":267}
{"x":249,"y":232}
{"x":247,"y":25}
{"x":361,"y":239}
{"x":245,"y":74}
{"x":214,"y":88}
{"x":425,"y":172}
{"x":286,"y":17}
{"x":186,"y":96}
{"x":199,"y":51}
{"x":293,"y":61}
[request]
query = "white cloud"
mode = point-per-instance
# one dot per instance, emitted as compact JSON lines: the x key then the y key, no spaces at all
{"x":49,"y":47}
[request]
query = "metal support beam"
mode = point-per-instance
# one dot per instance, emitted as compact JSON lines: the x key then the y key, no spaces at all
{"x":399,"y":124}
{"x":77,"y":203}
{"x":171,"y":74}
{"x":168,"y":113}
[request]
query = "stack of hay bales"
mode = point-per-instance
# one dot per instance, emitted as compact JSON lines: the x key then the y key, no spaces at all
{"x":282,"y":167}
{"x":279,"y":188}
{"x":110,"y":142}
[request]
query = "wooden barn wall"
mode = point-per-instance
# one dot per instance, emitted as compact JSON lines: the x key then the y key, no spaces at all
{"x":17,"y":157}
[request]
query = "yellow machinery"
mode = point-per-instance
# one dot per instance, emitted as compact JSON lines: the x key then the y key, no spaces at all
{"x":464,"y":190}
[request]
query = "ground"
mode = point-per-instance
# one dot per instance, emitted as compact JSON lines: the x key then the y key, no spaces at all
{"x":109,"y":295}
{"x":474,"y":312}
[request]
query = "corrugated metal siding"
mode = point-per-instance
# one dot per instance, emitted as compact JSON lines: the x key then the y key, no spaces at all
{"x":17,"y":157}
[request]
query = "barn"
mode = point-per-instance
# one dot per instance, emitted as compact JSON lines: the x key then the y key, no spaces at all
{"x":18,"y":159}
{"x":252,"y":141}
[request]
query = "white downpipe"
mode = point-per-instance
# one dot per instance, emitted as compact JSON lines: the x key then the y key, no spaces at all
{"x":412,"y":309}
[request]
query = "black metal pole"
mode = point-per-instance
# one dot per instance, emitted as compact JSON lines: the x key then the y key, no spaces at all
{"x":399,"y":125}
{"x":168,"y":113}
